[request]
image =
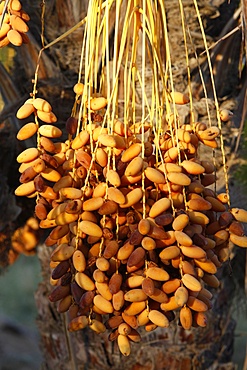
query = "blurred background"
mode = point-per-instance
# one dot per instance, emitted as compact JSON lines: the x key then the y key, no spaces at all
{"x":19,"y":336}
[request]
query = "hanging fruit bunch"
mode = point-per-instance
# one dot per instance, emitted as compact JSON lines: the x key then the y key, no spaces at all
{"x":137,"y":239}
{"x":13,"y":23}
{"x":138,"y":231}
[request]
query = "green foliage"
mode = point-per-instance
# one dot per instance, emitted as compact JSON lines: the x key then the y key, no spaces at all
{"x":6,"y":57}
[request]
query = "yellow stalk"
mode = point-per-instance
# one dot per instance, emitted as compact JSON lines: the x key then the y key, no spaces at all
{"x":216,"y":103}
